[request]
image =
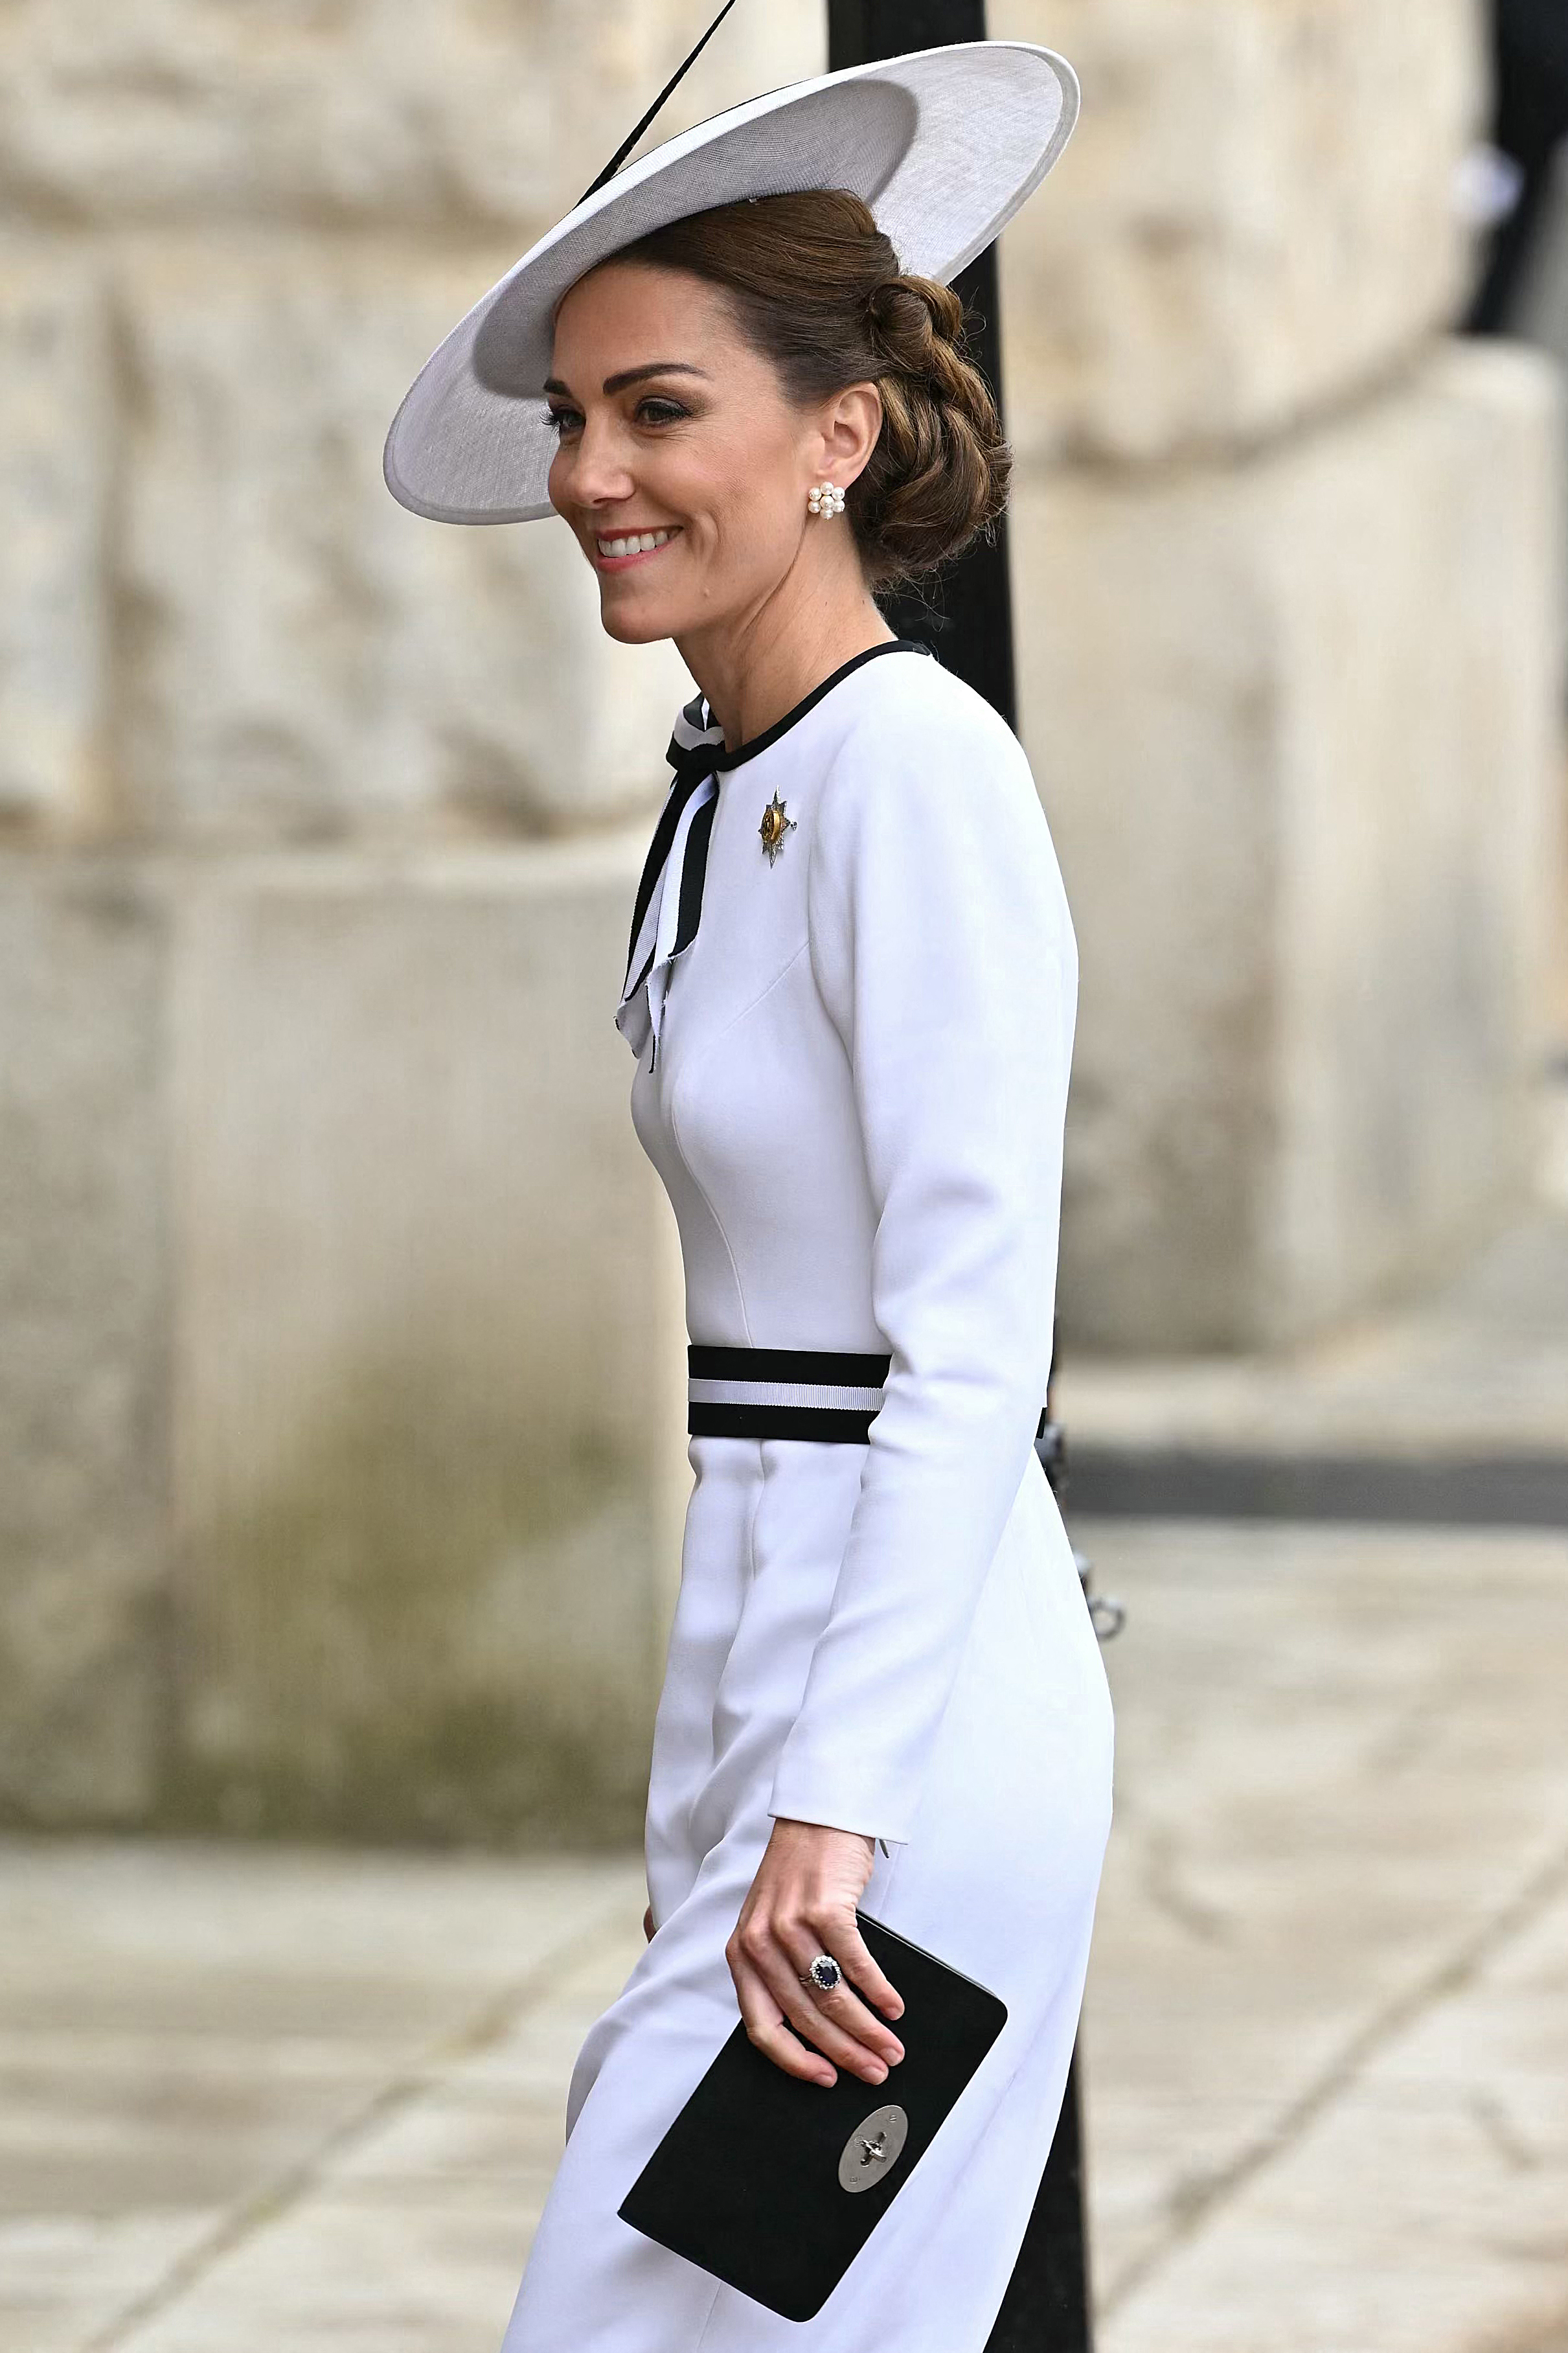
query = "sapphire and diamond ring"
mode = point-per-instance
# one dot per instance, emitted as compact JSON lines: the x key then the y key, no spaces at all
{"x":824,"y":1975}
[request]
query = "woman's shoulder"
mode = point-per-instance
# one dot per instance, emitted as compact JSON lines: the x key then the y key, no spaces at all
{"x":918,"y":732}
{"x":913,"y":686}
{"x":926,"y":809}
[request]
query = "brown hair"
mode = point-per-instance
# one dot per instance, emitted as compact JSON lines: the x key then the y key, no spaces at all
{"x":815,"y":287}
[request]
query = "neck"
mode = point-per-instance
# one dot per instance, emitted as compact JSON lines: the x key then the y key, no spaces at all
{"x":754,"y":668}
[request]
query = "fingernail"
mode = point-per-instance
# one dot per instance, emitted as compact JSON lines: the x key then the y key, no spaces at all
{"x":894,"y":2058}
{"x":875,"y":2074}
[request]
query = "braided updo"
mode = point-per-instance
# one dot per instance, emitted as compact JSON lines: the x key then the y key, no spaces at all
{"x":815,"y":287}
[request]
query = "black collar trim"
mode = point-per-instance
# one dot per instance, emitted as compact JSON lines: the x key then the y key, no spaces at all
{"x":717,"y":758}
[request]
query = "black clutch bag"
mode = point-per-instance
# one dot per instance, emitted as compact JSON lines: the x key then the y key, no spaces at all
{"x":774,"y":2185}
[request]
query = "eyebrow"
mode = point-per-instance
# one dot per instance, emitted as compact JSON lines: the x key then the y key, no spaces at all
{"x":634,"y":375}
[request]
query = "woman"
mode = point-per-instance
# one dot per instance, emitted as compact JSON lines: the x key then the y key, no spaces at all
{"x":851,"y":992}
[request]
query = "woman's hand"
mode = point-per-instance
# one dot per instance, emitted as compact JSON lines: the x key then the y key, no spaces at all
{"x":802,"y":1902}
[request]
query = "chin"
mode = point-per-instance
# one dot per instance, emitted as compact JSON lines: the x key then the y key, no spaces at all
{"x":629,"y":629}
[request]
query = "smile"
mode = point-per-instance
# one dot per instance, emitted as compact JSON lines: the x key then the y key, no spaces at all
{"x":631,"y":547}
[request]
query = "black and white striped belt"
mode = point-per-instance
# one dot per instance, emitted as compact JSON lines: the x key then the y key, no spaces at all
{"x":823,"y":1393}
{"x":828,"y":1394}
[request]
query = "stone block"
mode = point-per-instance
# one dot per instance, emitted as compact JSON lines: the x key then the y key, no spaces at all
{"x":348,"y":111}
{"x":309,"y":657}
{"x":84,"y":1282}
{"x":1254,"y":217}
{"x":1294,"y":722}
{"x":428,"y":1386}
{"x":54,"y":408}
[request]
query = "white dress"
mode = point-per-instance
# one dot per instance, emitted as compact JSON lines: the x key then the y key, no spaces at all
{"x":855,"y":1100}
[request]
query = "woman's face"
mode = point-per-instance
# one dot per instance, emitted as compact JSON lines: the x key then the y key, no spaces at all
{"x":668,"y":423}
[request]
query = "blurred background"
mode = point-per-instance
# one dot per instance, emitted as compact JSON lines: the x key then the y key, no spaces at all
{"x":342,"y":1353}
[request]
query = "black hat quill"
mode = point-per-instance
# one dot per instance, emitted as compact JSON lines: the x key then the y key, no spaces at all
{"x":625,"y":148}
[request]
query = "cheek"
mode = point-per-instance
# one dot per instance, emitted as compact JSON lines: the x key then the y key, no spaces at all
{"x":754,"y":523}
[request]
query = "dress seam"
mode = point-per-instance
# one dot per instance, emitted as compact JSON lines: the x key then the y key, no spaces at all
{"x":752,"y":1522}
{"x":708,"y":2322}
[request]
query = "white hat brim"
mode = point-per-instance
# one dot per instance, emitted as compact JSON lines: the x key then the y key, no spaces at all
{"x":944,"y":145}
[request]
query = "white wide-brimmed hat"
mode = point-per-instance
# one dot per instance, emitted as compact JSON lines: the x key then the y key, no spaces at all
{"x":944,"y":145}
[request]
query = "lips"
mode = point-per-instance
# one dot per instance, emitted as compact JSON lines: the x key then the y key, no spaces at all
{"x":633,"y":551}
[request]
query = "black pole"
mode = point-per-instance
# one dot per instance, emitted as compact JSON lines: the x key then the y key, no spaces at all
{"x":966,"y":615}
{"x":1529,"y":125}
{"x":967,"y":619}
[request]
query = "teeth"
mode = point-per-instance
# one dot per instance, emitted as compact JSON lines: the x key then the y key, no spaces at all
{"x":636,"y":544}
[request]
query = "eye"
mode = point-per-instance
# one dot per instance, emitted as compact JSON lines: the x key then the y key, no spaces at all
{"x":654,"y":410}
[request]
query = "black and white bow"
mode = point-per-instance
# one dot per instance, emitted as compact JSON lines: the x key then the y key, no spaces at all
{"x":669,"y":895}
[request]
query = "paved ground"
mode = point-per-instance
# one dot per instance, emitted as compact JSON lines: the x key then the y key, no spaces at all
{"x":264,"y":2102}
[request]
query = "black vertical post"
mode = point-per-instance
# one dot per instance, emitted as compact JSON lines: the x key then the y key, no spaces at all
{"x":967,"y":619}
{"x":966,"y":613}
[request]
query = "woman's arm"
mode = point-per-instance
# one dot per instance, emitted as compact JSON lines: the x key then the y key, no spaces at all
{"x":943,"y":948}
{"x":944,"y":951}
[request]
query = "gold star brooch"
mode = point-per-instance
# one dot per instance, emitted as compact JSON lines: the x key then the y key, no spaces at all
{"x":774,"y":828}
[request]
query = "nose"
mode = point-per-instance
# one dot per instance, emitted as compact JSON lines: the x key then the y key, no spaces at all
{"x":594,"y":469}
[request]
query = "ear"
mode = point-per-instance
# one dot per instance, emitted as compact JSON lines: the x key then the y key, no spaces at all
{"x":849,"y":434}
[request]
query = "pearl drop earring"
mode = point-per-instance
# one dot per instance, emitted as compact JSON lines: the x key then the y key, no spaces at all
{"x":825,"y":498}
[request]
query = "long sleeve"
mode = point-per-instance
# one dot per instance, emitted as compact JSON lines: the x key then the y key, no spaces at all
{"x":942,"y":949}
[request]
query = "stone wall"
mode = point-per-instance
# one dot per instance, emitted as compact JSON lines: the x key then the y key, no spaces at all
{"x":1287,"y":577}
{"x":342,"y":1403}
{"x":1290,"y":716}
{"x":230,"y":235}
{"x":341,"y":1469}
{"x":1252,"y":220}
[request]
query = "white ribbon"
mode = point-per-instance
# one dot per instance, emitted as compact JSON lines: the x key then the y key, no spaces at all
{"x":641,"y":1008}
